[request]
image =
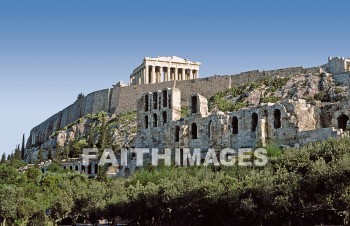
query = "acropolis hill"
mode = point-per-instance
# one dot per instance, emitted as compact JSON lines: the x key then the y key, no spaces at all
{"x":312,"y":105}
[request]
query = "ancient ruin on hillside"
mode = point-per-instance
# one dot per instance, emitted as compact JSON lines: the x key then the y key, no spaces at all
{"x":289,"y":107}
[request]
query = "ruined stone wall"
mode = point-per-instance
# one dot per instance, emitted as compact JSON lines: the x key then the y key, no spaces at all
{"x":336,"y":65}
{"x":123,"y":98}
{"x":91,"y":104}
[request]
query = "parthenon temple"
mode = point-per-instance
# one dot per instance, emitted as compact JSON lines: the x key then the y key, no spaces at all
{"x":163,"y":69}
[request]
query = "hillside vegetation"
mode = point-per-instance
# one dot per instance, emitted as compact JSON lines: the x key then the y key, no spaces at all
{"x":310,"y":87}
{"x":302,"y":186}
{"x":94,"y":130}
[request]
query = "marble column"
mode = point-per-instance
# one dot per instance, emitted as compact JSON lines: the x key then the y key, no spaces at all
{"x":139,"y":77}
{"x":145,"y":69}
{"x":191,"y":74}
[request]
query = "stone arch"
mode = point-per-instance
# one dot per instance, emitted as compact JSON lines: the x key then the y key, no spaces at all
{"x":234,"y":124}
{"x":146,"y":103}
{"x":194,"y":104}
{"x":96,"y":168}
{"x":83,"y":169}
{"x":277,"y":119}
{"x":255,"y":119}
{"x":64,"y":167}
{"x":76,"y":168}
{"x":169,"y":101}
{"x":155,"y":120}
{"x":146,"y":122}
{"x":155,"y":100}
{"x":164,"y":116}
{"x":177,"y":133}
{"x":165,"y":98}
{"x":343,"y":121}
{"x":71,"y":167}
{"x":89,"y":169}
{"x":194,"y":131}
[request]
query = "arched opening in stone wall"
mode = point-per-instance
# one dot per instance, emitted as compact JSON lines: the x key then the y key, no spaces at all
{"x":343,"y":121}
{"x":255,"y":119}
{"x":209,"y":129}
{"x":64,"y":167}
{"x":194,"y":130}
{"x":155,"y":120}
{"x":177,"y":133}
{"x":146,"y":122}
{"x":76,"y":168}
{"x":169,"y":98}
{"x":194,"y":105}
{"x":96,"y":168}
{"x":146,"y":102}
{"x":155,"y":100}
{"x":165,"y":98}
{"x":277,"y":119}
{"x":234,"y":125}
{"x":71,"y":167}
{"x":164,"y":117}
{"x":89,"y":169}
{"x":83,"y":169}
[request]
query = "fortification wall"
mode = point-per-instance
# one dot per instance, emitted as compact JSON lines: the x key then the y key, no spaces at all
{"x":128,"y":95}
{"x":123,"y":98}
{"x":91,"y":104}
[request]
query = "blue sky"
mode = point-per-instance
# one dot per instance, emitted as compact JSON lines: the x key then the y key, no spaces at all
{"x":51,"y":50}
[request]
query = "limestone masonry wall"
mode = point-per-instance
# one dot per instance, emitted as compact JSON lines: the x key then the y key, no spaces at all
{"x":123,"y":98}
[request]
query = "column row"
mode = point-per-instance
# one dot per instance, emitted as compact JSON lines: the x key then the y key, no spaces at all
{"x":156,"y":74}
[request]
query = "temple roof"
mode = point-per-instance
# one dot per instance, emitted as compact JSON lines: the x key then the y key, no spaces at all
{"x":174,"y":59}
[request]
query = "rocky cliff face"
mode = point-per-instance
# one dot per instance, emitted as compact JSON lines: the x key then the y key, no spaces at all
{"x":97,"y":130}
{"x":318,"y":89}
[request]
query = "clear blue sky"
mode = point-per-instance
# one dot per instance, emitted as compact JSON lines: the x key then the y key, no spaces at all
{"x":51,"y":50}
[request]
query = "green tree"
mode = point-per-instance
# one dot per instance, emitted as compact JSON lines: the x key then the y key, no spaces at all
{"x":18,"y":155}
{"x":102,"y":174}
{"x":23,"y":147}
{"x":104,"y":139}
{"x":3,"y":157}
{"x":41,"y":155}
{"x":80,"y":96}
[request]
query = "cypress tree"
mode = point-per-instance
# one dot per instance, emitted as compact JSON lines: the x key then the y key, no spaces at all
{"x":23,"y":147}
{"x":17,"y":155}
{"x":3,"y":158}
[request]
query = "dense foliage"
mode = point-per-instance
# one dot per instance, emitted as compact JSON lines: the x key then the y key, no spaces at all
{"x":310,"y":185}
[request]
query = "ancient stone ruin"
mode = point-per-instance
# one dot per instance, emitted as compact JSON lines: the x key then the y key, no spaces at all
{"x":172,"y":107}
